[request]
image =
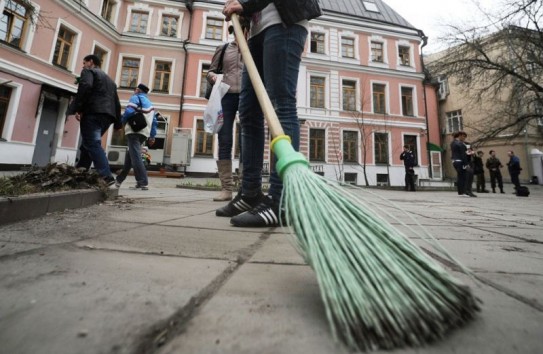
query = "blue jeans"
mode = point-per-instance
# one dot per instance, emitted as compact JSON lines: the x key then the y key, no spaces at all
{"x":133,"y":160}
{"x":230,"y":103}
{"x":277,"y":52}
{"x":93,"y":126}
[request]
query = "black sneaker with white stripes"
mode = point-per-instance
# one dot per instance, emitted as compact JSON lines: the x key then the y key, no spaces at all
{"x":239,"y":204}
{"x":265,"y":214}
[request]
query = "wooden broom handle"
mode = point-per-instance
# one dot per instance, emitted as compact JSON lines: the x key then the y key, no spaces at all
{"x":263,"y":98}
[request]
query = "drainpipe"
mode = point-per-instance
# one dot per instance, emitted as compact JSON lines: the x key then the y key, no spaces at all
{"x":424,"y":81}
{"x":188,"y":4}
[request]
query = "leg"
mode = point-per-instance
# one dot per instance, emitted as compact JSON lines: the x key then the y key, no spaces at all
{"x":460,"y":178}
{"x":500,"y":181}
{"x":92,"y":128}
{"x":126,"y":169}
{"x":134,"y":149}
{"x":281,"y":78}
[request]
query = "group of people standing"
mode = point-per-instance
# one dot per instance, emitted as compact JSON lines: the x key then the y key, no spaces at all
{"x":469,"y":163}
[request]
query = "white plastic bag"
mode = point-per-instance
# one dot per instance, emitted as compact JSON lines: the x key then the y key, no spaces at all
{"x":213,"y":116}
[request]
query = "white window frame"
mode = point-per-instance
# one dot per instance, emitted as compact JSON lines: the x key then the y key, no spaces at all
{"x":213,"y":42}
{"x":448,"y":118}
{"x":326,"y":90}
{"x":114,"y":15}
{"x":357,"y":92}
{"x":326,"y":54}
{"x":385,"y":63}
{"x":75,"y":52}
{"x":411,"y":66}
{"x":153,"y":71}
{"x":169,"y":12}
{"x":11,"y":114}
{"x":105,"y":64}
{"x":387,"y":96}
{"x":138,"y":7}
{"x":120,"y":68}
{"x":414,"y":96}
{"x":355,"y":38}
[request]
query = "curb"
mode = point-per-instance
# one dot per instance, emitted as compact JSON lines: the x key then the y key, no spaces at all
{"x":13,"y":209}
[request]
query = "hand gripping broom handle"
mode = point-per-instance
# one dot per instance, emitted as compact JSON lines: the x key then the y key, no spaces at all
{"x":281,"y":144}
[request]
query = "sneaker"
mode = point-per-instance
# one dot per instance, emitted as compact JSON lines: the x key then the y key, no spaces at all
{"x":117,"y":183}
{"x":239,"y":204}
{"x":472,"y":195}
{"x":464,"y":195}
{"x":108,"y":180}
{"x":265,"y":214}
{"x":137,"y":186}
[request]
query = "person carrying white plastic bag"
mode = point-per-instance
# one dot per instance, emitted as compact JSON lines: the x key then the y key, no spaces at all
{"x":213,"y":116}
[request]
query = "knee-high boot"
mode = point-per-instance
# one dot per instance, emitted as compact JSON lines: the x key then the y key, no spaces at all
{"x":227,"y":182}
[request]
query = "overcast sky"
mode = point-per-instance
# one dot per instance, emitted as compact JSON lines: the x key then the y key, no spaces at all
{"x":428,"y":15}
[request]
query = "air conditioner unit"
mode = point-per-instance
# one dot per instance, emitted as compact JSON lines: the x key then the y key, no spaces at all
{"x":116,"y":154}
{"x":181,"y":147}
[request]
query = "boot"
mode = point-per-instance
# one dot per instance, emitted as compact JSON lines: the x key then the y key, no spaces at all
{"x":227,"y":182}
{"x":493,"y":190}
{"x":501,"y":191}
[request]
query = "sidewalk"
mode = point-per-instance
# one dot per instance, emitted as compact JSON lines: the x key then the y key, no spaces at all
{"x":156,"y":272}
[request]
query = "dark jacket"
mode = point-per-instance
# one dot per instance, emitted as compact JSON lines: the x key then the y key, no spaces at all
{"x":478,"y":166}
{"x":458,"y":152}
{"x":291,"y":11}
{"x":493,"y":164}
{"x":408,"y":159}
{"x":97,"y":94}
{"x":514,"y":165}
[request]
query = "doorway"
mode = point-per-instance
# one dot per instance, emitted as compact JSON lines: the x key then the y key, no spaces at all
{"x":46,"y":137}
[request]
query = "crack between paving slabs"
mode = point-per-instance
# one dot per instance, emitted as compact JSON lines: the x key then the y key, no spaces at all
{"x":526,"y":301}
{"x":166,"y":330}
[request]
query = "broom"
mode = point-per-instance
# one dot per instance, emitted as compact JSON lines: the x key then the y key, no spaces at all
{"x":379,"y":289}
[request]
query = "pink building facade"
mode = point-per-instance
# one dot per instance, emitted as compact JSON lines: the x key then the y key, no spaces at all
{"x":361,"y":91}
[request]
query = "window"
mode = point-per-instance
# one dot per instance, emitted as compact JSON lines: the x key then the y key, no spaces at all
{"x":348,"y":89}
{"x":381,"y":148}
{"x":316,"y":92}
{"x":370,"y":6}
{"x":162,"y":76}
{"x":350,"y":177}
{"x":204,"y":141}
{"x":377,"y":52}
{"x":407,"y":101}
{"x":169,"y":26}
{"x":317,"y":43}
{"x":203,"y":80}
{"x":214,"y":28}
{"x":454,"y":121}
{"x":350,"y":146}
{"x":379,"y":101}
{"x":107,"y":10}
{"x":411,"y":141}
{"x":63,"y":47}
{"x":403,"y":56}
{"x":13,"y":23}
{"x":130,"y":73}
{"x":347,"y":47}
{"x":101,"y":54}
{"x":316,"y":144}
{"x":138,"y":22}
{"x":5,"y":94}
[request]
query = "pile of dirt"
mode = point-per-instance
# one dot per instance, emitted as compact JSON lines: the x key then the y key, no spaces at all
{"x":51,"y":178}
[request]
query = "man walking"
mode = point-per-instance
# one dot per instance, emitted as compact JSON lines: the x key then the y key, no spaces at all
{"x":409,"y":163}
{"x":96,"y":106}
{"x":135,"y":139}
{"x":493,"y":164}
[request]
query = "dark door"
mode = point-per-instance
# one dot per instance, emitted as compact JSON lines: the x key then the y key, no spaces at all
{"x":45,"y":139}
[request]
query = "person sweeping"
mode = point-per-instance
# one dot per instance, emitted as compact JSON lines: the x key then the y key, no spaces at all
{"x":379,"y":289}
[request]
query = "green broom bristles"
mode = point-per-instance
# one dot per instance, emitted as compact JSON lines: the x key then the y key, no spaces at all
{"x":379,"y":289}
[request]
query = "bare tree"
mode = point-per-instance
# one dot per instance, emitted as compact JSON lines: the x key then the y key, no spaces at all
{"x":500,"y":62}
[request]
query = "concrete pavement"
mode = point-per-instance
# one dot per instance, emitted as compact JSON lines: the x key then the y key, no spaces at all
{"x":156,"y":272}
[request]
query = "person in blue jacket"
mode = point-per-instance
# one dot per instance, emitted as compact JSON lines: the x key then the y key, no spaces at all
{"x":514,"y":169}
{"x":135,"y":140}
